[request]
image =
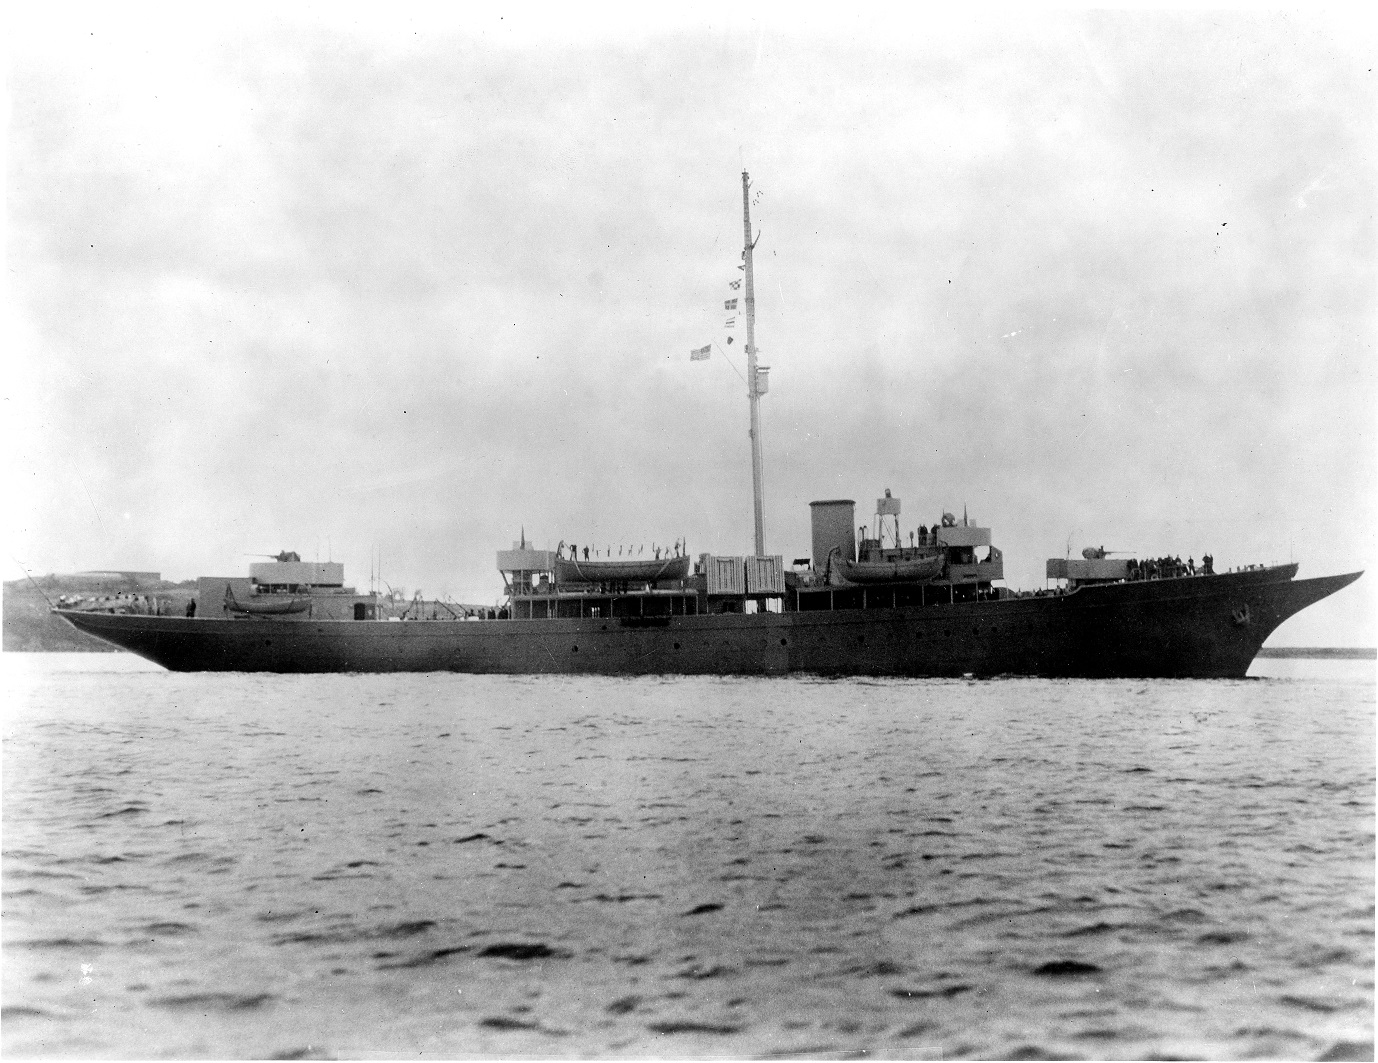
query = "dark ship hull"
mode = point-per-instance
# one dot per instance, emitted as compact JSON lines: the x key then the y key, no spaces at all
{"x":1200,"y":627}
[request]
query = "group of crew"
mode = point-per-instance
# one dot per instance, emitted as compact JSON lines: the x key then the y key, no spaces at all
{"x":443,"y":611}
{"x":680,"y":549}
{"x":499,"y":613}
{"x":1170,"y":567}
{"x":113,"y":603}
{"x":923,"y":535}
{"x":929,"y":537}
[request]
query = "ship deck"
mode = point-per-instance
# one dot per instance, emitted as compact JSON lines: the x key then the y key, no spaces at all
{"x":1194,"y":626}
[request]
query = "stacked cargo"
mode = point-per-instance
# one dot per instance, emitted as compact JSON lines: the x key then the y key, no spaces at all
{"x":743,"y":575}
{"x":723,"y":575}
{"x":765,"y":575}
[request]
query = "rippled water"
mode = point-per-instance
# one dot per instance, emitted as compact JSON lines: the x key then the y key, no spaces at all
{"x":443,"y":865}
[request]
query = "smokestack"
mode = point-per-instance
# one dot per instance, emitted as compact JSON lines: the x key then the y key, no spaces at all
{"x":833,"y":527}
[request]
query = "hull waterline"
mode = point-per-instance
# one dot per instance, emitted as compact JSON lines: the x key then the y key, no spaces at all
{"x":1204,"y":626}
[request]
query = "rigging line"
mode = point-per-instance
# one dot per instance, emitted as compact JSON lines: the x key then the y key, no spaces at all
{"x":729,"y":362}
{"x":88,"y":497}
{"x":33,"y":581}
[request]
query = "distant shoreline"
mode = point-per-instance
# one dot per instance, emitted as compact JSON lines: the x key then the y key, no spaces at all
{"x":1335,"y":653}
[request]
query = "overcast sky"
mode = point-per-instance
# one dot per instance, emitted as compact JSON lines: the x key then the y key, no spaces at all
{"x":1104,"y":279}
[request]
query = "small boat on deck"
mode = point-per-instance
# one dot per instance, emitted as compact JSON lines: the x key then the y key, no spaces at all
{"x":648,"y":571}
{"x":267,"y":605}
{"x":912,"y":570}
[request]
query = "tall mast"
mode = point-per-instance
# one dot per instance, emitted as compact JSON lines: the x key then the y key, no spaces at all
{"x":757,"y":471}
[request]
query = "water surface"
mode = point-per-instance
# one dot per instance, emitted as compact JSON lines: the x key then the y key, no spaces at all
{"x":448,"y":865}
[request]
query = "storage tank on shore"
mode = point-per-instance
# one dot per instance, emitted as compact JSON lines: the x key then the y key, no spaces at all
{"x":833,"y":528}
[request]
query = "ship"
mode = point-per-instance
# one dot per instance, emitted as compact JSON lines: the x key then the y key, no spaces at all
{"x":872,"y":600}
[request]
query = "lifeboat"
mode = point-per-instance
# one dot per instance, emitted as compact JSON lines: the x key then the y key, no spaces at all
{"x":574,"y":571}
{"x":913,"y":570}
{"x":267,"y":606}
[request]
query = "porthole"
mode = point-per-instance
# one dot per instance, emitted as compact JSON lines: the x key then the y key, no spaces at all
{"x":947,"y":632}
{"x":784,"y":642}
{"x":676,"y":645}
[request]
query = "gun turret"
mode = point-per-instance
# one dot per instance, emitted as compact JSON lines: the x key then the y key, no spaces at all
{"x":1097,"y":553}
